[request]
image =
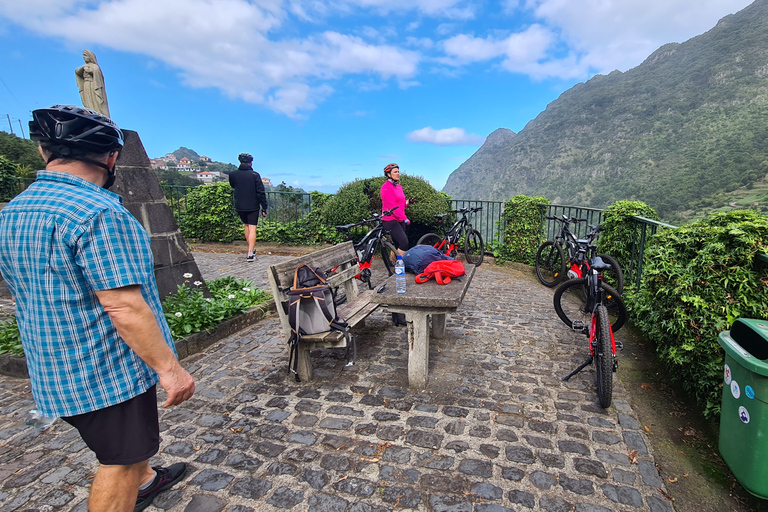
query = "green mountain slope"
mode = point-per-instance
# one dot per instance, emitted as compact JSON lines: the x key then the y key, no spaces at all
{"x":689,"y":122}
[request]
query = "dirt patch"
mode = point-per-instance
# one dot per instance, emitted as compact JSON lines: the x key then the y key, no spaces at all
{"x":240,"y":247}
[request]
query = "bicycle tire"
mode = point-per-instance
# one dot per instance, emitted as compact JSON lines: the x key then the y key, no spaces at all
{"x":474,"y":248}
{"x":550,"y":264}
{"x":571,"y":304}
{"x":430,"y":239}
{"x":615,"y":276}
{"x":389,"y":255}
{"x":603,"y":357}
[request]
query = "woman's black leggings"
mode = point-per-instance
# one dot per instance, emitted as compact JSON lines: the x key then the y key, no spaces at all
{"x":397,"y":230}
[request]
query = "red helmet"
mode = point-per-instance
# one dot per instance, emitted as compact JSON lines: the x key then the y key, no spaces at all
{"x":389,"y":168}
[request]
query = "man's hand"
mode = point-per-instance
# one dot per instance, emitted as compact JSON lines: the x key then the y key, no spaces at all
{"x":263,"y":214}
{"x":178,"y":385}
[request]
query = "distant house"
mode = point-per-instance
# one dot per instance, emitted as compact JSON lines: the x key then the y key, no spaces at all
{"x":184,"y":164}
{"x":206,"y":176}
{"x":171,"y":158}
{"x":157,"y":163}
{"x":266,"y":181}
{"x":205,"y":159}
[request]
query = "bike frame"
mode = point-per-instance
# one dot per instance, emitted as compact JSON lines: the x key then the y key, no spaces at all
{"x":594,"y":298}
{"x":453,"y":235}
{"x":366,"y":248}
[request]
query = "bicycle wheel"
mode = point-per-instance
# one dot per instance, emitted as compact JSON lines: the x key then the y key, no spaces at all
{"x":474,"y":248}
{"x":615,"y":276}
{"x":603,"y":357}
{"x":430,"y":239}
{"x":570,"y":303}
{"x":389,"y":255}
{"x":550,"y":264}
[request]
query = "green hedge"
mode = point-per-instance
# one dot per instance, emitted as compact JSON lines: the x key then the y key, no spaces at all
{"x":210,"y":215}
{"x":619,"y":229}
{"x":522,"y":235}
{"x":7,"y":179}
{"x":697,"y":280}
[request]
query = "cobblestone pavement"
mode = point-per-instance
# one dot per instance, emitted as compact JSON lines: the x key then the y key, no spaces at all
{"x":495,"y":431}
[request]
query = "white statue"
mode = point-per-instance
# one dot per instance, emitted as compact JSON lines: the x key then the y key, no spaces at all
{"x":90,"y":82}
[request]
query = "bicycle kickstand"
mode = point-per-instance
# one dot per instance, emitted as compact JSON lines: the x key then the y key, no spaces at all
{"x":577,"y":370}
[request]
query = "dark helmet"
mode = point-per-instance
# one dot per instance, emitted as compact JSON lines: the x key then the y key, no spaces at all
{"x":71,"y":131}
{"x":389,"y":168}
{"x":245,"y":158}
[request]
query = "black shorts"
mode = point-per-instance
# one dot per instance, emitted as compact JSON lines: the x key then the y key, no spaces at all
{"x":251,"y":218}
{"x":122,"y":434}
{"x":397,"y":230}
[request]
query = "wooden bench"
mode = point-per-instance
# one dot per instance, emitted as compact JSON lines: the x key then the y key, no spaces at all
{"x":357,"y":307}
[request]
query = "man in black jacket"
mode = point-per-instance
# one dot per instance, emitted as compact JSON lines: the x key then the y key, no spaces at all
{"x":249,"y":197}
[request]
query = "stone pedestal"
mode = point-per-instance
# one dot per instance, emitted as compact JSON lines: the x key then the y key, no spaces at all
{"x":142,"y":195}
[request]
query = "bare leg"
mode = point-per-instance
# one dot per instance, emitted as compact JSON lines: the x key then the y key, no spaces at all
{"x":250,"y":237}
{"x":115,"y":488}
{"x":400,"y":252}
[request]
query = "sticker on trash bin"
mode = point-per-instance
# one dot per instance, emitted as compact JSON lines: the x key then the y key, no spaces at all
{"x":749,"y":392}
{"x":743,"y":414}
{"x":728,"y":375}
{"x":762,"y":326}
{"x":735,"y":389}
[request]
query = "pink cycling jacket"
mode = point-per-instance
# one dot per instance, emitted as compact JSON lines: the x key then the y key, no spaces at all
{"x":392,"y":195}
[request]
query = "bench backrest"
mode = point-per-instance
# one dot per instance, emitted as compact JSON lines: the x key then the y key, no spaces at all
{"x":340,"y":257}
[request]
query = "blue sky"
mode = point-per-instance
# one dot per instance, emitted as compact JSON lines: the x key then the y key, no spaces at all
{"x":322,"y":92}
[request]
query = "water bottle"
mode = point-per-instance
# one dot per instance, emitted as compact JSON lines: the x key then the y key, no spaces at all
{"x":400,"y":274}
{"x":35,"y":418}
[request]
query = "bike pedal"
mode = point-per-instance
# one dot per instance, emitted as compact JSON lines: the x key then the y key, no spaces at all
{"x":580,"y":327}
{"x":619,"y":344}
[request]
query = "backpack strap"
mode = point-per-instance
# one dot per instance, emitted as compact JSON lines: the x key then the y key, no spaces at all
{"x":423,"y":278}
{"x":293,"y":340}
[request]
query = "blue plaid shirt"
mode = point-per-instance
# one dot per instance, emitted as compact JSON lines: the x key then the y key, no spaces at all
{"x":61,"y":240}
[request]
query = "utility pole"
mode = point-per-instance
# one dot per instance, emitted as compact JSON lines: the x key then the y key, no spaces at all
{"x":21,"y":127}
{"x":10,"y":124}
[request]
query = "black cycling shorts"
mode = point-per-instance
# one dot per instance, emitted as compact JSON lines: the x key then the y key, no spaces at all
{"x":122,"y":434}
{"x":397,"y":230}
{"x":251,"y":218}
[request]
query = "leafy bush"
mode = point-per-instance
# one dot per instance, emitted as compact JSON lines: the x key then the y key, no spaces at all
{"x":697,"y":280}
{"x":308,"y":230}
{"x":619,"y":228}
{"x":188,"y":310}
{"x":522,"y":236}
{"x":7,"y":179}
{"x":10,"y":340}
{"x":358,"y":200}
{"x":210,"y":215}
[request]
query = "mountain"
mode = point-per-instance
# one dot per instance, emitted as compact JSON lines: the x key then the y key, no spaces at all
{"x":186,"y":152}
{"x":688,"y":123}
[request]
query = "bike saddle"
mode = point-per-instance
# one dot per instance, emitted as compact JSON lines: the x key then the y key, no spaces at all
{"x":345,"y":227}
{"x":440,"y":215}
{"x":599,"y":265}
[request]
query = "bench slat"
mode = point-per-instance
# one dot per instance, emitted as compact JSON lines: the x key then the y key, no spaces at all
{"x":326,"y":259}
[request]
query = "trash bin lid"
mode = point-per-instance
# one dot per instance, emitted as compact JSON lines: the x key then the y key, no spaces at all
{"x":747,"y":343}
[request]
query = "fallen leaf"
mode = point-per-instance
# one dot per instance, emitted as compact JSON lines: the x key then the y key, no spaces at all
{"x":632,"y":456}
{"x":672,"y":480}
{"x":646,"y":428}
{"x":236,"y":430}
{"x":197,"y":448}
{"x":681,"y":451}
{"x":685,"y":475}
{"x":645,"y":386}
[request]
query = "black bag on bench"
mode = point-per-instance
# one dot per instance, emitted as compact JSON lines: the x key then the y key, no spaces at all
{"x":311,"y":310}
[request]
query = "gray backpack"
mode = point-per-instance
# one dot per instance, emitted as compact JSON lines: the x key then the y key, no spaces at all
{"x":311,"y":310}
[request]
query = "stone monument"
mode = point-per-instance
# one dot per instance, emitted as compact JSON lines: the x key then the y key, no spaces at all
{"x":140,"y":189}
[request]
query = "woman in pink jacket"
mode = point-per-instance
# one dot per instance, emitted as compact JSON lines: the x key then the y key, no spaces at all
{"x":392,"y":195}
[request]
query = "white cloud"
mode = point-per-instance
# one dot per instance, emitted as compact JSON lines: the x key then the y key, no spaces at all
{"x":445,"y":137}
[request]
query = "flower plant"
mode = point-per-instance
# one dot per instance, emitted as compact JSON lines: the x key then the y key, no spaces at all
{"x":189,"y":311}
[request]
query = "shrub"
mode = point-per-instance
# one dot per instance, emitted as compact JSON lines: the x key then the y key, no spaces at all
{"x":358,"y":200}
{"x":188,"y":310}
{"x":10,"y":340}
{"x":307,"y":231}
{"x":697,"y":280}
{"x":619,"y":228}
{"x":7,"y":179}
{"x":522,"y":236}
{"x":210,"y":215}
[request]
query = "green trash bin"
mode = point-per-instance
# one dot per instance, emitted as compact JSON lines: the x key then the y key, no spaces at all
{"x":744,"y":417}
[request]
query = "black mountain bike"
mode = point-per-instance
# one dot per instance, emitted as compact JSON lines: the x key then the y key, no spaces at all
{"x":552,"y":266}
{"x":590,"y":306}
{"x":474,"y":248}
{"x":365,"y":249}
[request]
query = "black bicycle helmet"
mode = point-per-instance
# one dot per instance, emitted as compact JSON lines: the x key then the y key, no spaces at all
{"x":72,"y":131}
{"x":389,"y":168}
{"x":245,"y":158}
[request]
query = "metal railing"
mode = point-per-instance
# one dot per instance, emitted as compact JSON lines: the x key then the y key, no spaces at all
{"x":489,"y":221}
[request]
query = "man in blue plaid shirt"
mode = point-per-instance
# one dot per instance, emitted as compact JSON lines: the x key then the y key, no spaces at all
{"x":81,"y":271}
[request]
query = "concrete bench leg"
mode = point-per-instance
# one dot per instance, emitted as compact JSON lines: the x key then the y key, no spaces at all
{"x":438,"y":325}
{"x":304,"y":365}
{"x":418,"y":350}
